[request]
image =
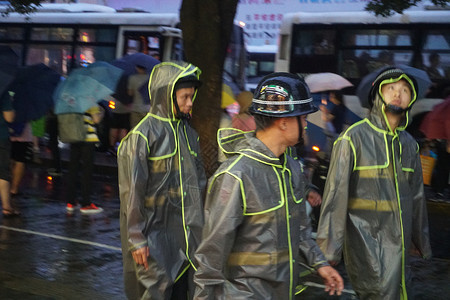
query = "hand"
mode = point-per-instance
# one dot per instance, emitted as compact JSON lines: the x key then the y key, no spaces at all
{"x":333,"y":281}
{"x":140,"y":256}
{"x":314,"y":198}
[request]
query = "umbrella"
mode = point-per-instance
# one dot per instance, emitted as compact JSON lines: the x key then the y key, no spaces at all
{"x":84,"y":87}
{"x":436,"y":124}
{"x":128,"y":64}
{"x":143,"y":90}
{"x":421,"y":77}
{"x":33,"y":89}
{"x":9,"y":61}
{"x":320,"y":82}
{"x":227,"y":96}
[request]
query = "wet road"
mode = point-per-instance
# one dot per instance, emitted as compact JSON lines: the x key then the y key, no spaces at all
{"x":49,"y":254}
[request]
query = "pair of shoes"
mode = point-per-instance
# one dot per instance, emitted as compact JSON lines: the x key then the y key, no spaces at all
{"x":91,"y":209}
{"x":70,"y":207}
{"x":10,"y":213}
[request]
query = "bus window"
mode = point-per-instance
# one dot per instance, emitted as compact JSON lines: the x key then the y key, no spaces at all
{"x":313,"y":51}
{"x":436,"y":54}
{"x":57,"y":57}
{"x":11,"y":33}
{"x":90,"y":54}
{"x":314,"y":42}
{"x":376,"y":37}
{"x":51,"y":34}
{"x":91,"y":35}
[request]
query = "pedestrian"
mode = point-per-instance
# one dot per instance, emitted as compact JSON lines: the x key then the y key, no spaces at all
{"x":82,"y":161}
{"x":7,"y":116}
{"x":120,"y":124}
{"x":51,"y":127}
{"x":138,"y":108}
{"x":161,"y":183}
{"x":244,"y":120}
{"x":256,"y":228}
{"x":373,"y":208}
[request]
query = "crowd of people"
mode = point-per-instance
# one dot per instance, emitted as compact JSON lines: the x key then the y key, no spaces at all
{"x":243,"y":232}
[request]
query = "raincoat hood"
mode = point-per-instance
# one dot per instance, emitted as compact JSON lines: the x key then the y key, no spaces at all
{"x":376,"y":99}
{"x":161,"y":86}
{"x":236,"y":142}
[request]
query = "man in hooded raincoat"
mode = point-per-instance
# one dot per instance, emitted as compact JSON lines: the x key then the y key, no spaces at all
{"x":161,"y":183}
{"x":256,"y":227}
{"x":373,"y":206}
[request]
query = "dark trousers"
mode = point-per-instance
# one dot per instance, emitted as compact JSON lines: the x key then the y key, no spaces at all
{"x":81,"y":161}
{"x":52,"y":130}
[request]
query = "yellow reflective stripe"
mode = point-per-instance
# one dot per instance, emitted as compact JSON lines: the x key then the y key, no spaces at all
{"x":258,"y":258}
{"x":300,"y":288}
{"x":404,"y":294}
{"x":291,"y":187}
{"x":367,"y":204}
{"x":281,"y":202}
{"x":182,"y":196}
{"x":182,"y":272}
{"x":288,"y":229}
{"x":348,"y":139}
{"x":374,"y":173}
{"x":223,"y":172}
{"x":193,"y":153}
{"x":408,"y":170}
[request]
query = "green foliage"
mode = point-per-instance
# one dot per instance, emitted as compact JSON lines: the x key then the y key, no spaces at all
{"x":22,"y":6}
{"x":389,"y":7}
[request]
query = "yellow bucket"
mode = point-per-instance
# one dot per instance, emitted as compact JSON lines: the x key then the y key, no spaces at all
{"x":428,"y":163}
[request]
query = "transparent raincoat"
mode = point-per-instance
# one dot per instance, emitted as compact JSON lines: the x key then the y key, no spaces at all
{"x":374,"y":207}
{"x":258,"y":230}
{"x":161,"y":183}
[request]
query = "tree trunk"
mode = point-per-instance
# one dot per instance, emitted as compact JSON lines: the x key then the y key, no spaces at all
{"x":207,"y":27}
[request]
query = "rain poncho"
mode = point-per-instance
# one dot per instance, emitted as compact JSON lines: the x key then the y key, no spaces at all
{"x":374,"y":206}
{"x":161,"y":183}
{"x":256,"y":228}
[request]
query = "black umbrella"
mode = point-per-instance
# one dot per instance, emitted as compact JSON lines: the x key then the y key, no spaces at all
{"x":33,"y":90}
{"x":8,"y":67}
{"x":128,"y":64}
{"x":421,"y":77}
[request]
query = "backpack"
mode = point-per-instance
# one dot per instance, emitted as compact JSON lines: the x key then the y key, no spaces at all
{"x":71,"y":128}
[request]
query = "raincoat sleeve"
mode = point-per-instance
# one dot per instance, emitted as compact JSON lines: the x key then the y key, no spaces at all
{"x":223,"y":215}
{"x":133,"y":179}
{"x":309,"y":249}
{"x":420,"y":231}
{"x":333,"y":215}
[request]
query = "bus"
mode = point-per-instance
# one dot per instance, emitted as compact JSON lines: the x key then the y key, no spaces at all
{"x":354,"y":44}
{"x":64,"y":36}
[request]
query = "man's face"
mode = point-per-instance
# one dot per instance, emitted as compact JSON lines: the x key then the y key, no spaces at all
{"x":184,"y":99}
{"x":397,"y":93}
{"x":296,"y":129}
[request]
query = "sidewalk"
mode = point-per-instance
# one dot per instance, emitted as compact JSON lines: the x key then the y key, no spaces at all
{"x":105,"y":162}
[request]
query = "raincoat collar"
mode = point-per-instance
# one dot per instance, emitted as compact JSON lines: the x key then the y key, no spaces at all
{"x":161,"y":87}
{"x":236,"y":142}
